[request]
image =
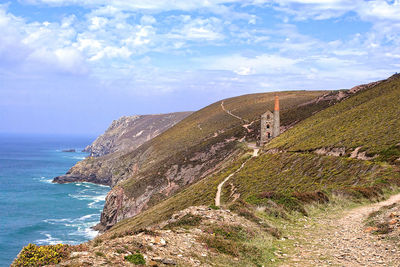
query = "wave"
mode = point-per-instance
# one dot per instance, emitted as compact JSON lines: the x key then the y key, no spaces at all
{"x":70,"y":221}
{"x":92,"y":194}
{"x":44,"y":180}
{"x":49,"y":240}
{"x":85,"y":231}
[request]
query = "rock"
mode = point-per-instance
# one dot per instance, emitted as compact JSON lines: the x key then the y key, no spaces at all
{"x":78,"y":254}
{"x":168,"y":261}
{"x":370,"y":229}
{"x":69,"y":150}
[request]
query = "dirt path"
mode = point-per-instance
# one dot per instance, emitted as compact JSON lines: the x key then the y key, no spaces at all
{"x":343,"y":241}
{"x":219,"y":188}
{"x":230,"y":113}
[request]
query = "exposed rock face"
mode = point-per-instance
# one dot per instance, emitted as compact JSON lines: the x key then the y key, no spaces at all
{"x":106,"y":166}
{"x":336,"y":151}
{"x":128,"y":133}
{"x":150,"y":188}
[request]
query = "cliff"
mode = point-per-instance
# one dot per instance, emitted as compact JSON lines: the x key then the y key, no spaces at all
{"x":124,"y":135}
{"x":128,"y":133}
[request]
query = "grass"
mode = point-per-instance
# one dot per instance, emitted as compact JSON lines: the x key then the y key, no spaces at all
{"x":369,"y":120}
{"x":289,"y":178}
{"x":176,"y":153}
{"x":237,"y":245}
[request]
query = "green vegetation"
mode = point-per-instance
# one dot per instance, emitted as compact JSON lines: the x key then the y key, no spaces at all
{"x":369,"y":120}
{"x":377,"y":224}
{"x":183,"y":146}
{"x":33,"y":255}
{"x":390,"y":154}
{"x":231,"y":232}
{"x":189,"y":220}
{"x":137,"y":259}
{"x":100,"y":254}
{"x":248,"y":247}
{"x":284,"y":174}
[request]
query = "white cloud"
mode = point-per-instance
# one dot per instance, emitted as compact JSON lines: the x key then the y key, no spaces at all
{"x":198,"y":29}
{"x":265,"y":63}
{"x":147,"y":20}
{"x":97,"y":23}
{"x":67,"y":60}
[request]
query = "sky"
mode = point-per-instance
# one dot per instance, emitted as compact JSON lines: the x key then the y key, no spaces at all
{"x":73,"y":66}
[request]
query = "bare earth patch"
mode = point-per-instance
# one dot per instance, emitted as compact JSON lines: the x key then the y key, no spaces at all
{"x":345,"y":240}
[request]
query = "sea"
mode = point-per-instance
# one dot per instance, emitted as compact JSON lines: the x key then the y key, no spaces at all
{"x":32,"y":208}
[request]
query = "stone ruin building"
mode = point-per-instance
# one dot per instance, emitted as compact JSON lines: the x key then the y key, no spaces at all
{"x":270,"y":123}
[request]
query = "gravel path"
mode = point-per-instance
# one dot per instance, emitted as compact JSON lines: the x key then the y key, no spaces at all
{"x":343,"y":241}
{"x":219,"y":188}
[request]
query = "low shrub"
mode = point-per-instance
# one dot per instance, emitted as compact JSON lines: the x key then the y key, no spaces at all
{"x":391,"y":154}
{"x":100,"y":254}
{"x":186,"y":221}
{"x":137,"y":259}
{"x":222,"y":245}
{"x":236,"y":233}
{"x":310,"y":197}
{"x":383,"y":228}
{"x":33,"y":255}
{"x":230,"y":247}
{"x":213,"y":207}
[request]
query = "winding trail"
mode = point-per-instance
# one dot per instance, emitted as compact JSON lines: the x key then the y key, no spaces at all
{"x":219,"y":188}
{"x":230,"y":113}
{"x":250,"y":145}
{"x":342,"y":241}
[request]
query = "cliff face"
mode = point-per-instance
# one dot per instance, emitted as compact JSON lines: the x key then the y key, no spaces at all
{"x":128,"y":133}
{"x":105,"y":166}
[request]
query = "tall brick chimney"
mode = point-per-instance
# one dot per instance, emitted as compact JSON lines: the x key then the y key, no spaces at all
{"x":277,"y":124}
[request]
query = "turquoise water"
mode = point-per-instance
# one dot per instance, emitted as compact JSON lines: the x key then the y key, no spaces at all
{"x":32,"y":209}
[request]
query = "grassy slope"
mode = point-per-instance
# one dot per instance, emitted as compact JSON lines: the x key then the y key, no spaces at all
{"x":289,"y":173}
{"x":196,"y":133}
{"x":301,"y":172}
{"x":212,"y":119}
{"x":369,"y":119}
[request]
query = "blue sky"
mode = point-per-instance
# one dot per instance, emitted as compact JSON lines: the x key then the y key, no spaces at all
{"x":72,"y":66}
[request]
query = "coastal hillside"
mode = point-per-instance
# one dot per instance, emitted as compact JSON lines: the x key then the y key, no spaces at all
{"x":288,"y":177}
{"x":129,"y":132}
{"x":275,"y":184}
{"x":201,"y":144}
{"x":252,"y":204}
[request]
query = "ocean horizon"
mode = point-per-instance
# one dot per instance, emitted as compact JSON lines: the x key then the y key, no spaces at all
{"x":34,"y":210}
